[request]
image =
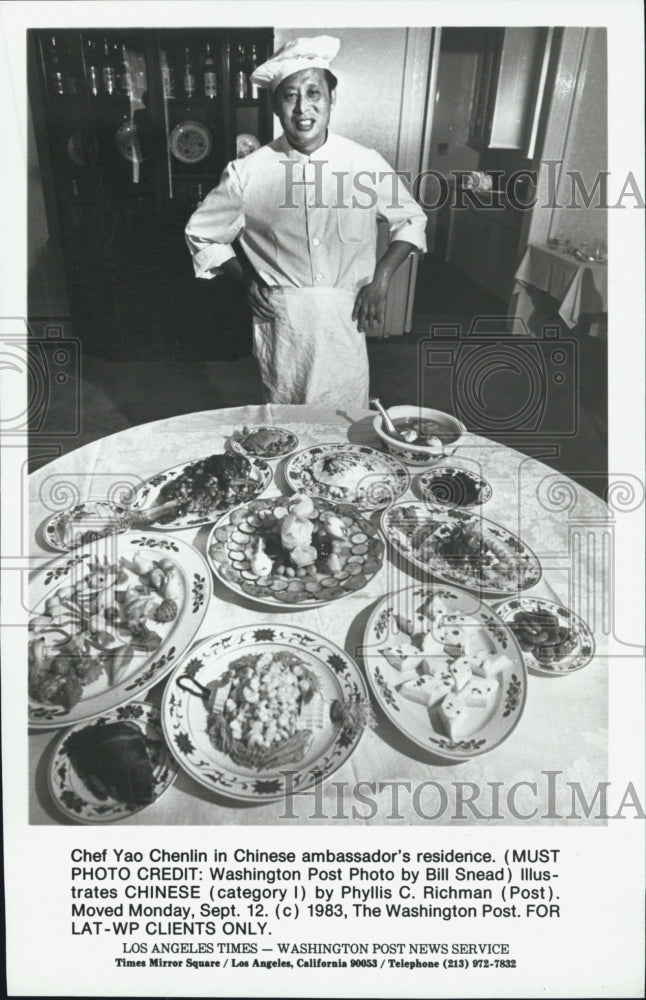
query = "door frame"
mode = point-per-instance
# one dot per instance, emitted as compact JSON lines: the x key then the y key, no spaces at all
{"x":413,"y":144}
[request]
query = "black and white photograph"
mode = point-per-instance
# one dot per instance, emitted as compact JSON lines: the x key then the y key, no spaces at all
{"x":325,"y":452}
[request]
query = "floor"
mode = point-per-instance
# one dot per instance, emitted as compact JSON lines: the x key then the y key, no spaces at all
{"x":502,"y":388}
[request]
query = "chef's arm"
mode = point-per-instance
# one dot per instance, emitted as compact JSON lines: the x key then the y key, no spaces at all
{"x":370,"y":303}
{"x":257,"y":291}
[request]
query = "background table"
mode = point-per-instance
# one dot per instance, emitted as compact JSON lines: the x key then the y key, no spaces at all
{"x":563,"y":728}
{"x":579,"y":287}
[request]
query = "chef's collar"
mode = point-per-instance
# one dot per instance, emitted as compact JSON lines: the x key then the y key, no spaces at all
{"x":322,"y":153}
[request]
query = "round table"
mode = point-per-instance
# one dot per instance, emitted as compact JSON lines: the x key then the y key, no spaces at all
{"x":563,"y":729}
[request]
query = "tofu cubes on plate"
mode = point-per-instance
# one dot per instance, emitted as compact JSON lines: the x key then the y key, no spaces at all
{"x":453,"y":666}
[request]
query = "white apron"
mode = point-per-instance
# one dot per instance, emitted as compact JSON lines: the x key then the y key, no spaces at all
{"x":312,"y":352}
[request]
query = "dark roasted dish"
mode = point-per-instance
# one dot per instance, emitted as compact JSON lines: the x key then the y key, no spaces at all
{"x":206,"y":484}
{"x":112,"y":761}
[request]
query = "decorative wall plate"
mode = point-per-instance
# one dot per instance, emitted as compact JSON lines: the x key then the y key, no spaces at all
{"x":246,"y":144}
{"x":190,"y":142}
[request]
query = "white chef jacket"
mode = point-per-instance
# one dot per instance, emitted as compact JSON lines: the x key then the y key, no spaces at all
{"x":305,"y":221}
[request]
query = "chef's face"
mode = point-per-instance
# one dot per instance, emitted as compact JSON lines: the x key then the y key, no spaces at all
{"x":303,"y":103}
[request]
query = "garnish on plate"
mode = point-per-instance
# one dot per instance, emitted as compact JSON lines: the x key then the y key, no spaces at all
{"x":295,"y":549}
{"x":462,"y":548}
{"x":256,"y":710}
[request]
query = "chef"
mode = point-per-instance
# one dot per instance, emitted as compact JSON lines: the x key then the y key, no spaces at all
{"x":304,"y":211}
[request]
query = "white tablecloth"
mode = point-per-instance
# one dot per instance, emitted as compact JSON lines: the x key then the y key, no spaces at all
{"x":579,"y":287}
{"x":563,"y":728}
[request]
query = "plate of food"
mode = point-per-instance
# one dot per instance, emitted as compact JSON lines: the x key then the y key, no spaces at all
{"x":461,"y":547}
{"x":260,"y":712}
{"x":294,"y":551}
{"x":451,"y":486}
{"x":350,"y":473}
{"x":445,"y":670}
{"x":85,"y":522}
{"x":112,"y":767}
{"x":108,"y":621}
{"x":553,"y":639}
{"x":197,"y":492}
{"x":264,"y":442}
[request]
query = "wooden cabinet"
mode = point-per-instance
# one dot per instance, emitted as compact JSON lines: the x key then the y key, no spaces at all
{"x":508,"y":89}
{"x":483,"y":244}
{"x":133,"y":128}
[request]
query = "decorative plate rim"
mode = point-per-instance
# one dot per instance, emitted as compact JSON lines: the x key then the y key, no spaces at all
{"x":159,"y":662}
{"x":286,"y":605}
{"x":582,"y":628}
{"x":51,"y":522}
{"x":484,"y":485}
{"x":112,"y":811}
{"x":259,"y":464}
{"x":460,"y":514}
{"x":269,"y":427}
{"x":396,"y":466}
{"x":176,"y":132}
{"x":433,"y":744}
{"x":174,"y":703}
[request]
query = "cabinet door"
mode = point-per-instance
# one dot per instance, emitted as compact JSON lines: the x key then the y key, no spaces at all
{"x":484,"y":250}
{"x":470,"y":245}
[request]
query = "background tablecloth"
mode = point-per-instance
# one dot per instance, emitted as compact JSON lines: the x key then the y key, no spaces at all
{"x":579,"y":287}
{"x":564,"y":725}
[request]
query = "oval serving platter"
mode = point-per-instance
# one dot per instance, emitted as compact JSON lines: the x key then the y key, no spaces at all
{"x":77,"y":801}
{"x":351,"y":473}
{"x":68,"y":573}
{"x":147,"y":494}
{"x":402,"y":619}
{"x":184,"y":715}
{"x":93,"y":518}
{"x":243,"y":442}
{"x":478,"y":554}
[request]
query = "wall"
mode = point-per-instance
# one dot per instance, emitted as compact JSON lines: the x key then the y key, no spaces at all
{"x":586,"y":146}
{"x":370,"y":71}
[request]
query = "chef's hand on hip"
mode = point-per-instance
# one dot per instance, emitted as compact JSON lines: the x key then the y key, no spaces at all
{"x":370,"y":304}
{"x":258,"y":297}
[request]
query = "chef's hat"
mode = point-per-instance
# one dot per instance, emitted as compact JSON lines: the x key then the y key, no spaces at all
{"x":301,"y":53}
